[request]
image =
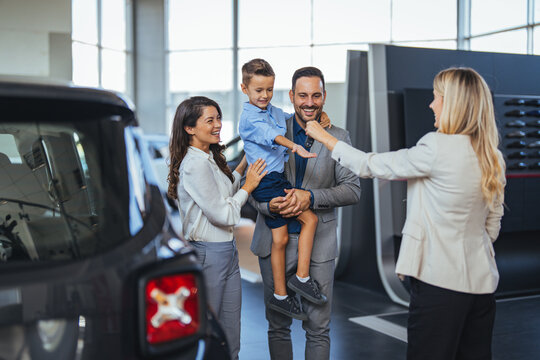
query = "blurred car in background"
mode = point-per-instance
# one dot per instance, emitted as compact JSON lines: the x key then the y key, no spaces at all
{"x":90,"y":266}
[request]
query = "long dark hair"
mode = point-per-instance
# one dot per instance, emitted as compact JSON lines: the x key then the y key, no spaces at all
{"x":187,"y":114}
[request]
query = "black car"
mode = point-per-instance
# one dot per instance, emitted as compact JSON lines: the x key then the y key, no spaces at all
{"x":90,"y":267}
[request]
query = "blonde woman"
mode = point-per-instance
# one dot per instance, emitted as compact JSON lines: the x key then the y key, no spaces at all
{"x":455,"y":193}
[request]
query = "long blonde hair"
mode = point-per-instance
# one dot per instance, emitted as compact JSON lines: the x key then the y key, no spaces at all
{"x":468,"y":110}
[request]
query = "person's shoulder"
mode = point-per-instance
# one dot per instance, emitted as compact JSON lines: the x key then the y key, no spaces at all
{"x":192,"y":162}
{"x":338,"y":132}
{"x":431,"y":136}
{"x":435,"y":137}
{"x":276,"y":110}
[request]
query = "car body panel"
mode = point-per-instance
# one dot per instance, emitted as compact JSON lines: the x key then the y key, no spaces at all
{"x":87,"y":305}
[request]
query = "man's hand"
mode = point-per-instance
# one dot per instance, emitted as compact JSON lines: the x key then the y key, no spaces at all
{"x":301,"y":203}
{"x":282,"y":202}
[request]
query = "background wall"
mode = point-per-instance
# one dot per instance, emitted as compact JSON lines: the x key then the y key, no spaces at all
{"x":35,"y":38}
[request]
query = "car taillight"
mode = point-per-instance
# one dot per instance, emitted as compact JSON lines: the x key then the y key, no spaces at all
{"x":172,"y":308}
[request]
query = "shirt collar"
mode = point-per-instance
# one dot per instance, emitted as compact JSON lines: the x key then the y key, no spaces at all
{"x":192,"y":150}
{"x":250,"y":107}
{"x":296,"y":126}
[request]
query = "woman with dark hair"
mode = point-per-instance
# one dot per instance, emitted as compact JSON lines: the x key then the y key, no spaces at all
{"x":455,"y":193}
{"x":210,"y":198}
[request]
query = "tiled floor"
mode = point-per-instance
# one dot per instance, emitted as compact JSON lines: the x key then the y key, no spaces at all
{"x":516,"y":334}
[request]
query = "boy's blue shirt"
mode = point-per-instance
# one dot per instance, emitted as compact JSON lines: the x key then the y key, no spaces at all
{"x":258,"y":128}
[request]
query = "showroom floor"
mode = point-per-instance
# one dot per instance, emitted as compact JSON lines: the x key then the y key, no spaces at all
{"x":367,"y":325}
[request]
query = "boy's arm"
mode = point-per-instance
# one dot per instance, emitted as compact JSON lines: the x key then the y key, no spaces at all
{"x":295,"y":148}
{"x":325,"y":121}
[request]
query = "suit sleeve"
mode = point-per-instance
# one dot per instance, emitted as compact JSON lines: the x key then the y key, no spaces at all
{"x":345,"y":192}
{"x":402,"y":164}
{"x":261,"y":207}
{"x":493,"y":220}
{"x":200,"y":184}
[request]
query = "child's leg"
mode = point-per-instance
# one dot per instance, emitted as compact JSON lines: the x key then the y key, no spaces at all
{"x":309,"y":221}
{"x":280,"y":238}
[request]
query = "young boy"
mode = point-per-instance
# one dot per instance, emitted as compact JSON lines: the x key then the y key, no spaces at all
{"x":262,"y":128}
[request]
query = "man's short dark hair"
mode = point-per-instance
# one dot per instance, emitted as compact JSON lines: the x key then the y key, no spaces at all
{"x":256,"y":67}
{"x":308,"y":71}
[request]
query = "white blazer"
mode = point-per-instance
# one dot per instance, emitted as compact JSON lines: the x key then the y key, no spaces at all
{"x":448,"y":234}
{"x":209,"y":203}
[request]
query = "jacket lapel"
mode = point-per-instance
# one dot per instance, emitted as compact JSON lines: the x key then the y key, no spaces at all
{"x":290,"y":166}
{"x":312,"y":163}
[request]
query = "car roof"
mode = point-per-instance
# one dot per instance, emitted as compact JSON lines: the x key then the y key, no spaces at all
{"x":65,"y":96}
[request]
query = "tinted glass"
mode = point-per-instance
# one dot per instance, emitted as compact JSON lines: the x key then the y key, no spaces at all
{"x":63,"y":189}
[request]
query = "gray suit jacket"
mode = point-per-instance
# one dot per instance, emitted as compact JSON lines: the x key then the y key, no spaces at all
{"x":332,"y":185}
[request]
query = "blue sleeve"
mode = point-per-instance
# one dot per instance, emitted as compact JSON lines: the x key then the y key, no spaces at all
{"x":257,"y":130}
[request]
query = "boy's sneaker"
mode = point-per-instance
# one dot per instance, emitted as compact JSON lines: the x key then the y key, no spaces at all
{"x":309,"y":290}
{"x":290,"y":306}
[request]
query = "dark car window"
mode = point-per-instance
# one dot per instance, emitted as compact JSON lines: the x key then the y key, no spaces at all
{"x":64,"y":189}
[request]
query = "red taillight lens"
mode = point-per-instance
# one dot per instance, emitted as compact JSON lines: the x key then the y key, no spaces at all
{"x":172,"y":308}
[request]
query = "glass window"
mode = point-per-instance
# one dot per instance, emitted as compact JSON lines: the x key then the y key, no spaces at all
{"x":137,"y":185}
{"x":202,"y":24}
{"x":332,"y":60}
{"x":113,"y":24}
{"x":537,"y":11}
{"x":506,"y":42}
{"x":492,"y":15}
{"x":196,"y":71}
{"x":8,"y":150}
{"x":536,"y":45}
{"x":275,"y":23}
{"x":445,"y":44}
{"x":342,"y":21}
{"x":67,"y":198}
{"x":84,"y":21}
{"x":113,"y":74}
{"x":424,"y":19}
{"x":85,"y":65}
{"x":284,"y":61}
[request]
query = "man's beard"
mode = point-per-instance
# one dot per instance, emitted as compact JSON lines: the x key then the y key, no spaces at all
{"x":318,"y":112}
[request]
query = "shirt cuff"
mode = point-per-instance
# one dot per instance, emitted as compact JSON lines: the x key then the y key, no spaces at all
{"x":241,"y":196}
{"x":312,"y":200}
{"x":339,"y":149}
{"x":237,"y":175}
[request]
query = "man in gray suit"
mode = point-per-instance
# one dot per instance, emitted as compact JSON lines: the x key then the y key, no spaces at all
{"x":328,"y":185}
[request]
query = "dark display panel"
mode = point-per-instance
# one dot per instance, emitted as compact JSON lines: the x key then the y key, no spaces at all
{"x":518,"y":118}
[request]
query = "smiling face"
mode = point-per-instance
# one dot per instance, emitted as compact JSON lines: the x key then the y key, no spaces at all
{"x":436,"y":106}
{"x":259,"y":90}
{"x":206,"y":130}
{"x":308,"y":99}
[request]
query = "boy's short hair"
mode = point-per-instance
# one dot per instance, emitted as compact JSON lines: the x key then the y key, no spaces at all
{"x":256,"y":67}
{"x":308,"y":71}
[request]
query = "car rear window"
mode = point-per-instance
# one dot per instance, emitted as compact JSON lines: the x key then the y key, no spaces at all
{"x":63,"y":189}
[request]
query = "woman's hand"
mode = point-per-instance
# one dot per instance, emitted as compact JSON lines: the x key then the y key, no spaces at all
{"x":315,"y":130}
{"x":254,"y":175}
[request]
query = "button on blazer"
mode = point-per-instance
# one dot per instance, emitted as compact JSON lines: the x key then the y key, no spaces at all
{"x":449,"y":229}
